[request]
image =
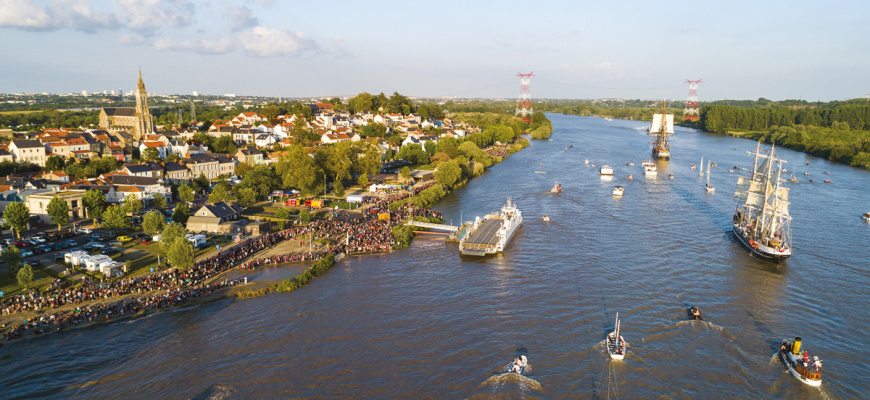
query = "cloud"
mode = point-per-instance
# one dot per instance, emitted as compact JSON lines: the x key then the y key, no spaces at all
{"x":602,"y":66}
{"x":340,"y":49}
{"x":270,"y":42}
{"x":241,"y":17}
{"x":56,"y":14}
{"x":264,"y":3}
{"x":146,"y":16}
{"x":132,"y":38}
{"x":225,"y":45}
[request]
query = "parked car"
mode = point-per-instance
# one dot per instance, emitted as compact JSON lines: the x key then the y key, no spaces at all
{"x":34,"y":262}
{"x":43,"y":248}
{"x":146,"y":241}
{"x":86,"y":230}
{"x":93,"y":245}
{"x":8,"y":242}
{"x":110,"y":250}
{"x":31,"y":241}
{"x":124,"y":239}
{"x":38,"y":239}
{"x":59,"y":256}
{"x":26,"y":253}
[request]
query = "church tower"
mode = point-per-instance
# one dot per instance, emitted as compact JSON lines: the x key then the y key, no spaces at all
{"x":144,"y":122}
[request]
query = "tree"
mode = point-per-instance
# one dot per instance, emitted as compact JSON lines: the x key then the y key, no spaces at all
{"x":150,"y":154}
{"x":225,"y":145}
{"x":261,"y":180}
{"x":54,"y":163}
{"x":185,"y":193}
{"x":17,"y":214}
{"x":449,"y":173}
{"x":242,"y":169}
{"x":115,"y":217}
{"x":172,"y":158}
{"x":153,"y":222}
{"x":304,"y":217}
{"x":180,"y":254}
{"x":25,"y":275}
{"x":172,"y":232}
{"x":363,"y":179}
{"x":12,"y":258}
{"x":246,"y":196}
{"x":299,"y":170}
{"x":181,"y":213}
{"x":282,"y":213}
{"x":406,"y":173}
{"x":59,"y":211}
{"x":94,"y":201}
{"x":201,"y":183}
{"x":338,"y":189}
{"x":414,"y":153}
{"x":158,"y":201}
{"x":132,"y":204}
{"x":221,"y":192}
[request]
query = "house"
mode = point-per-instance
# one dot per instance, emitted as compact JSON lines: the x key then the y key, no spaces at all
{"x":265,"y":140}
{"x":27,"y":151}
{"x":56,"y":176}
{"x":143,"y":187}
{"x":211,"y":216}
{"x":379,"y":119}
{"x":38,"y":204}
{"x":211,"y":165}
{"x":117,"y":152}
{"x":158,"y":145}
{"x":146,"y":170}
{"x":250,"y":155}
{"x":5,"y":155}
{"x":176,"y":173}
{"x":395,"y":118}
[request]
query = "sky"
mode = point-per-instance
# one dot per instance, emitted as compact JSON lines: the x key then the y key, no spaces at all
{"x":815,"y":51}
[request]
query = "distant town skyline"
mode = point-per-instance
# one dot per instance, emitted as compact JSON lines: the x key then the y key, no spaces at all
{"x":578,"y":50}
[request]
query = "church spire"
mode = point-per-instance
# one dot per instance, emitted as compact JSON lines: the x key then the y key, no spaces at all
{"x":141,"y":84}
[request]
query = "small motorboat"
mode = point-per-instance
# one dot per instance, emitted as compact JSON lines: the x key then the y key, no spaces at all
{"x":671,"y":176}
{"x":540,"y":172}
{"x":827,"y":181}
{"x":866,"y":216}
{"x":694,"y":313}
{"x":518,"y":365}
{"x":616,"y":343}
{"x":793,"y":180}
{"x":546,"y":218}
{"x":693,"y":167}
{"x":713,"y":165}
{"x":807,"y":173}
{"x":557,"y":188}
{"x":812,"y":180}
{"x":709,"y":188}
{"x":803,"y":368}
{"x":606,"y":170}
{"x":571,"y":146}
{"x":586,"y":161}
{"x":618,"y":191}
{"x":731,"y":171}
{"x":630,"y":177}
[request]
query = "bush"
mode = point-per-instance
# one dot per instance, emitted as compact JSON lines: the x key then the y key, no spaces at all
{"x":319,"y":268}
{"x":403,"y":235}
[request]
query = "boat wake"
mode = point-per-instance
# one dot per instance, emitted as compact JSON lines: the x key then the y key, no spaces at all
{"x":508,"y":385}
{"x":216,"y":392}
{"x":672,"y":330}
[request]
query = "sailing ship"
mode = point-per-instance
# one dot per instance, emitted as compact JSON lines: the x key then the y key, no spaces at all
{"x":709,"y":188}
{"x":616,"y":343}
{"x":662,"y":126}
{"x":762,"y":221}
{"x":702,"y":167}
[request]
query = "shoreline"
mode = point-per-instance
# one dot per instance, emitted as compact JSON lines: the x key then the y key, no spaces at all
{"x":229,"y":292}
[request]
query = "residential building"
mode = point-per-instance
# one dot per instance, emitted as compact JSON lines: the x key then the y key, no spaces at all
{"x":27,"y":151}
{"x":38,"y":204}
{"x":250,"y":155}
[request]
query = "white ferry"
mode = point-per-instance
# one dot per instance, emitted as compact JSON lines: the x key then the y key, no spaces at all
{"x":649,"y":168}
{"x":492,"y":234}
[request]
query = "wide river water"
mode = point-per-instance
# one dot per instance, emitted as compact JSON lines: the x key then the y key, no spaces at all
{"x":428,"y":323}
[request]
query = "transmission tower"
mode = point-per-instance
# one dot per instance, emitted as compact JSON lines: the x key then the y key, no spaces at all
{"x":691,"y":110}
{"x":524,"y":102}
{"x":192,"y":112}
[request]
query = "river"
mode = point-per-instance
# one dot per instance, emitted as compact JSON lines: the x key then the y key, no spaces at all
{"x":427,"y":323}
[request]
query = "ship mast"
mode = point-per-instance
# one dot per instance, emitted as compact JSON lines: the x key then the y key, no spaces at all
{"x":661,"y":138}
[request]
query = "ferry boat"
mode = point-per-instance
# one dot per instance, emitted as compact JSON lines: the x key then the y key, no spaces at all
{"x":518,"y":365}
{"x":649,"y":168}
{"x":492,"y":234}
{"x":803,"y":368}
{"x":618,"y":191}
{"x":606,"y":170}
{"x":662,"y":126}
{"x":616,"y":343}
{"x":762,"y":222}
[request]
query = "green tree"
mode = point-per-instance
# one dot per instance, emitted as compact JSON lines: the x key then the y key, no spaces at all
{"x":150,"y":154}
{"x":185,"y":193}
{"x":153,"y":222}
{"x":17,"y":214}
{"x":54,"y":163}
{"x":221,"y":192}
{"x":406,"y":173}
{"x":261,"y":180}
{"x":181,"y":254}
{"x":242,"y":169}
{"x":363,"y":179}
{"x":132,"y":204}
{"x":181,"y":213}
{"x":25,"y":276}
{"x":304,"y":217}
{"x":201,"y":183}
{"x":172,"y":158}
{"x":338,"y":189}
{"x":414,"y":153}
{"x":449,"y":173}
{"x":94,"y":201}
{"x":225,"y":145}
{"x":59,"y":211}
{"x":158,"y":201}
{"x":270,"y":112}
{"x":115,"y":217}
{"x":12,"y":258}
{"x":299,"y":170}
{"x":172,"y":232}
{"x":246,"y":196}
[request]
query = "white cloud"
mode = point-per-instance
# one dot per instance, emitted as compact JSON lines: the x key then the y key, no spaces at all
{"x":269,"y":42}
{"x":602,"y":66}
{"x":132,"y":38}
{"x":56,"y":14}
{"x":264,"y":3}
{"x":241,"y":17}
{"x":225,"y":45}
{"x":340,"y":49}
{"x":147,"y":16}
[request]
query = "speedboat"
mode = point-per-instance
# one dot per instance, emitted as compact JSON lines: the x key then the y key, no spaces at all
{"x":866,"y":216}
{"x":616,"y":343}
{"x":518,"y":365}
{"x":671,"y":176}
{"x":827,"y":181}
{"x":606,"y":170}
{"x":557,"y":188}
{"x":694,"y":313}
{"x":546,"y":218}
{"x":803,"y":368}
{"x":618,"y":191}
{"x":630,"y":177}
{"x":586,"y":162}
{"x":807,"y":173}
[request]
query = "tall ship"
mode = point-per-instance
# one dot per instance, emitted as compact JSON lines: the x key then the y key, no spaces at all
{"x":762,"y":222}
{"x":662,"y":126}
{"x":492,"y":234}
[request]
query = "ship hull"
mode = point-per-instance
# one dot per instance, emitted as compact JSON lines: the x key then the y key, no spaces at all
{"x":757,"y":252}
{"x":662,"y":154}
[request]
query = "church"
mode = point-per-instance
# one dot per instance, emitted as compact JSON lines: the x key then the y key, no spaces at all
{"x":135,"y":121}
